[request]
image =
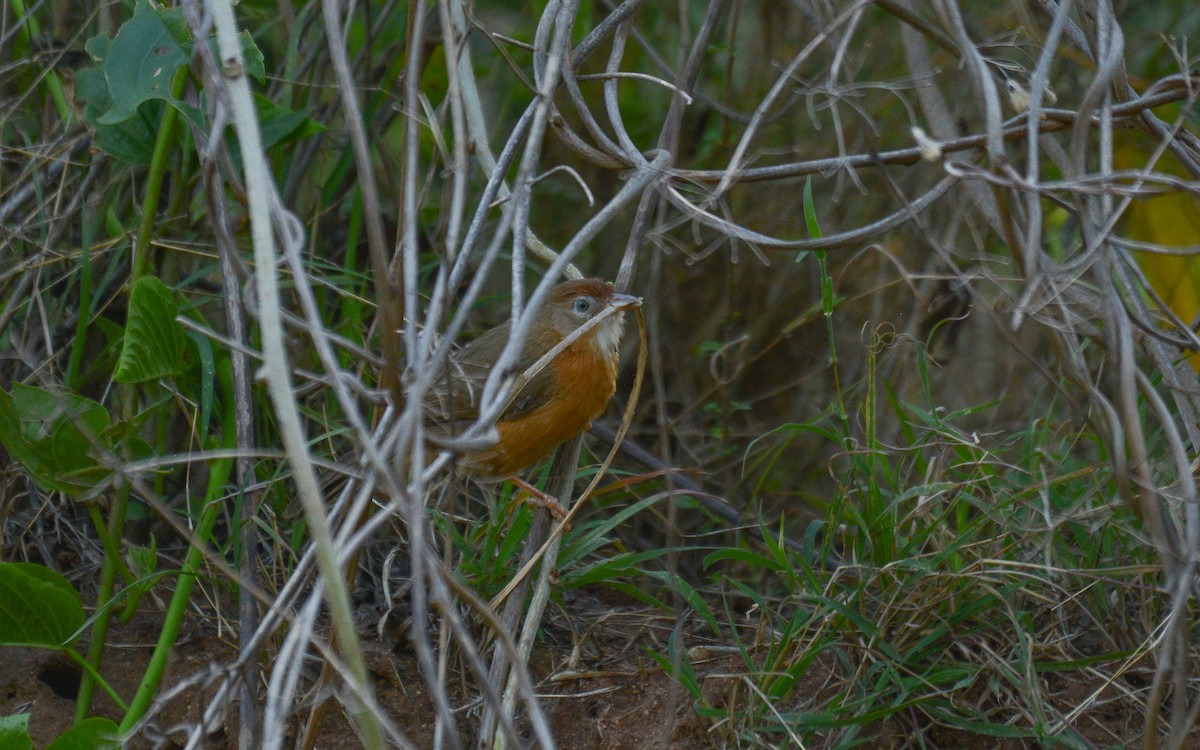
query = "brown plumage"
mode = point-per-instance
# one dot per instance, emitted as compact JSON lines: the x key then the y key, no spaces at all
{"x":557,"y":403}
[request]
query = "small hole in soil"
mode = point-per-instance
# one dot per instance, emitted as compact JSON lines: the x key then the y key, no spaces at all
{"x":62,"y":677}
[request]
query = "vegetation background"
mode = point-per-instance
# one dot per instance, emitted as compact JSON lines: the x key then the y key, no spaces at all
{"x":902,"y":454}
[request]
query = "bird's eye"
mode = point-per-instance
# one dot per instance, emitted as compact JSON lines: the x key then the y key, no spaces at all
{"x":582,"y":305}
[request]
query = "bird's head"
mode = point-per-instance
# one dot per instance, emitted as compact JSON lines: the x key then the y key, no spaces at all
{"x":574,"y":303}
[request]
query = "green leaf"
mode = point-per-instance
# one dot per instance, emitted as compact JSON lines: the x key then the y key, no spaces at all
{"x":153,"y":346}
{"x":208,"y":373}
{"x":689,"y":595}
{"x":123,"y":95}
{"x":252,"y":56}
{"x":38,"y":607}
{"x":745,"y":557}
{"x":54,"y":436}
{"x":145,"y":562}
{"x":279,"y":124}
{"x":593,"y":536}
{"x":810,"y":211}
{"x":95,"y":733}
{"x":14,"y":732}
{"x":130,"y":141}
{"x":608,"y":569}
{"x":175,"y":22}
{"x":680,"y":668}
{"x":810,"y":217}
{"x":139,"y":62}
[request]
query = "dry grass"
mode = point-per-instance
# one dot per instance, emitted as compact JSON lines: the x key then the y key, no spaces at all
{"x":926,"y":395}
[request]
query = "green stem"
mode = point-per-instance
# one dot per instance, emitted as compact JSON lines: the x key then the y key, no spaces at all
{"x":112,"y":565}
{"x":154,"y":178}
{"x":53,"y":84}
{"x":880,"y":523}
{"x":110,"y":534}
{"x":85,"y":301}
{"x":827,"y":306}
{"x":217,"y":480}
{"x":828,"y":301}
{"x":179,"y":600}
{"x":91,"y":674}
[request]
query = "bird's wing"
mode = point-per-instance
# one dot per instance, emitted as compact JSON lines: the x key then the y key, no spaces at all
{"x":455,"y":396}
{"x":533,"y":395}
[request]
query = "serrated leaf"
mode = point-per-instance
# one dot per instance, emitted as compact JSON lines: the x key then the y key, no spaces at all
{"x":14,"y":732}
{"x":54,"y":436}
{"x":153,"y":346}
{"x":139,"y":62}
{"x":38,"y":607}
{"x":95,"y":733}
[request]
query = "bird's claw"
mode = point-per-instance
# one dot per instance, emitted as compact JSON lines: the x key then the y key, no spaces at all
{"x":536,"y":498}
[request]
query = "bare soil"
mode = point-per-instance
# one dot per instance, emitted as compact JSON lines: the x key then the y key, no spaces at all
{"x":598,"y":691}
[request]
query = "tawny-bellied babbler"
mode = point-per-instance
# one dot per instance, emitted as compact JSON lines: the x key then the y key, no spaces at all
{"x":558,"y":402}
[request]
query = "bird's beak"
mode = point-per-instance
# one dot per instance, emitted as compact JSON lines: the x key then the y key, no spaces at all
{"x":621,"y":301}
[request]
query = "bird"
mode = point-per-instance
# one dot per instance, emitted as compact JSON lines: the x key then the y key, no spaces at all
{"x":550,"y":406}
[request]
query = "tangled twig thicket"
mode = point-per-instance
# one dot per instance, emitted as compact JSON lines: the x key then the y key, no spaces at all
{"x":987,"y":160}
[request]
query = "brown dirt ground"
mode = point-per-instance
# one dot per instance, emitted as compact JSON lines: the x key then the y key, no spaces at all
{"x":601,"y":709}
{"x":620,"y":700}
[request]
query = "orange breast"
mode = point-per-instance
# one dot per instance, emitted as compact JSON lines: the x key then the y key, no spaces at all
{"x":584,"y":382}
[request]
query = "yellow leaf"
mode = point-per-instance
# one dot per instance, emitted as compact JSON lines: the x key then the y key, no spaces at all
{"x":1170,"y":220}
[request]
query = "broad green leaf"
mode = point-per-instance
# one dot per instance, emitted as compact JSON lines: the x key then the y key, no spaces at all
{"x":97,"y":47}
{"x":38,"y":607}
{"x":14,"y":732}
{"x":139,"y":62}
{"x":130,"y":141}
{"x":95,"y":733}
{"x":280,"y":124}
{"x":175,"y":22}
{"x":277,"y":123}
{"x":124,"y":94}
{"x":153,"y":346}
{"x":54,"y":436}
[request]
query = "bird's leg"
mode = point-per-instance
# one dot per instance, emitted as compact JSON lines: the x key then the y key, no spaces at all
{"x":537,"y":497}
